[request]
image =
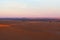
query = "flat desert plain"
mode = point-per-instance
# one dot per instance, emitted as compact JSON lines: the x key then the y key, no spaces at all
{"x":29,"y":30}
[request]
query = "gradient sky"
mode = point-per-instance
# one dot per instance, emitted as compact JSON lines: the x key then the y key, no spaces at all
{"x":30,"y":8}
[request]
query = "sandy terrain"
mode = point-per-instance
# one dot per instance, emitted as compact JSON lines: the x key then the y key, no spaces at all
{"x":29,"y":30}
{"x":4,"y":25}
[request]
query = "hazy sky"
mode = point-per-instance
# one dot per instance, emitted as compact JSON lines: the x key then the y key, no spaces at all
{"x":30,"y":8}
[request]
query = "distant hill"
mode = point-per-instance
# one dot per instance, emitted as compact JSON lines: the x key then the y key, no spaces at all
{"x":32,"y":19}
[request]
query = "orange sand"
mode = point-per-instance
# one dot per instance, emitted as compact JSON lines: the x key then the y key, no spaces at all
{"x":4,"y":25}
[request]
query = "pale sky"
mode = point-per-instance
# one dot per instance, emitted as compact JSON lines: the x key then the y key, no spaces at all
{"x":30,"y":8}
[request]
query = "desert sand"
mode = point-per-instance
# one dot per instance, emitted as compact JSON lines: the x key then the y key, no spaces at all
{"x":29,"y":30}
